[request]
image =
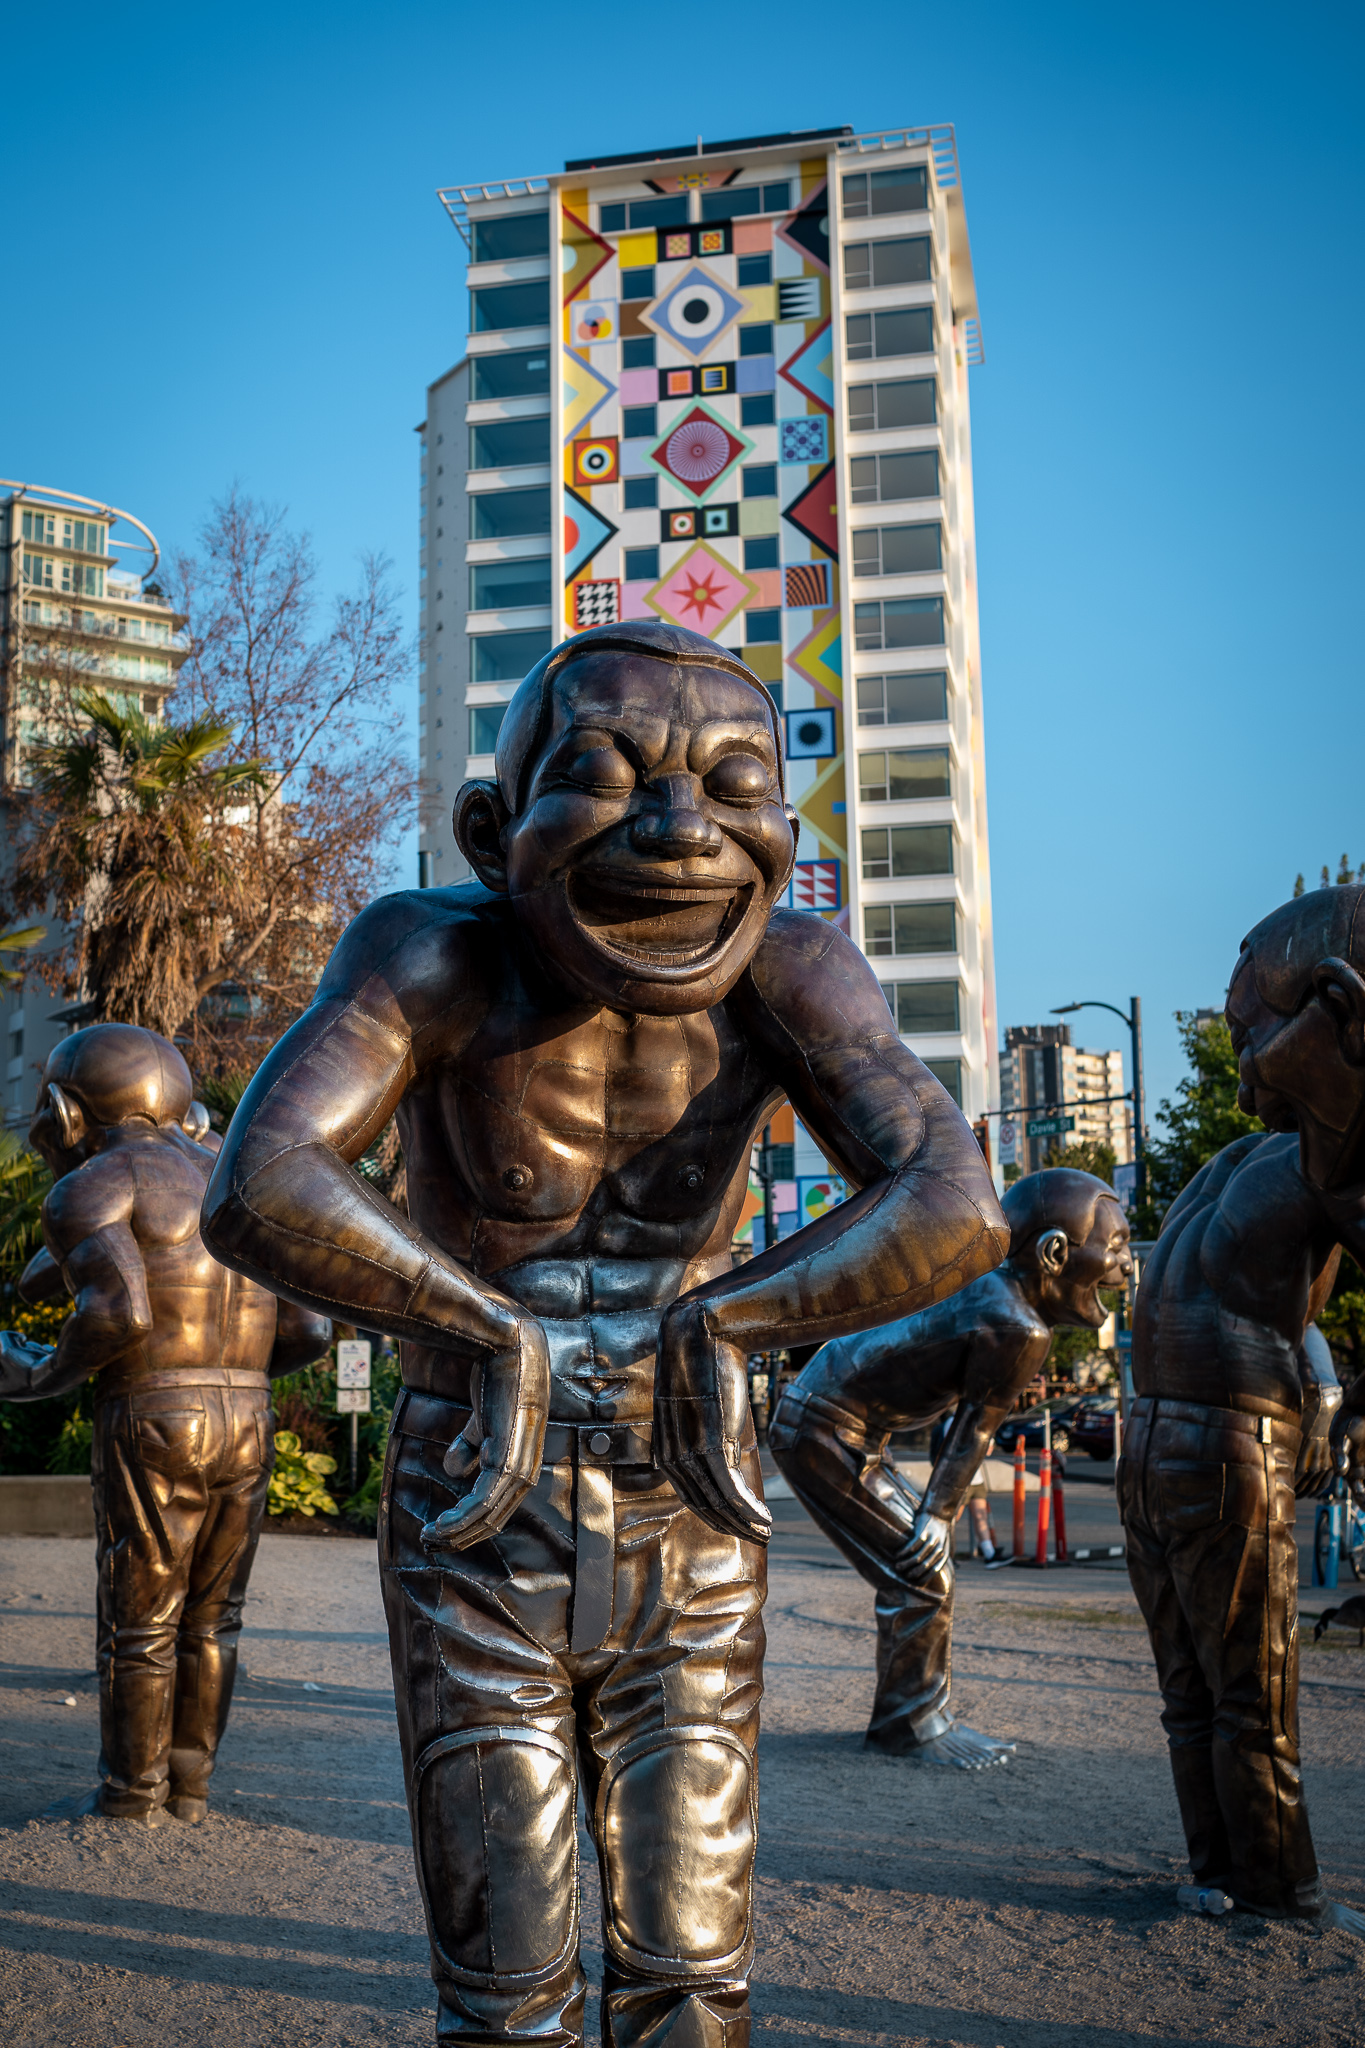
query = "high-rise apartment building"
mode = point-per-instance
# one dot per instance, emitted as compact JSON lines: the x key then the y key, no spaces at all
{"x":1042,"y":1075}
{"x":726,"y":386}
{"x":71,"y":617}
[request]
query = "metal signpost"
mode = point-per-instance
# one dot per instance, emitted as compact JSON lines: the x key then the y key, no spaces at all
{"x":353,"y":1390}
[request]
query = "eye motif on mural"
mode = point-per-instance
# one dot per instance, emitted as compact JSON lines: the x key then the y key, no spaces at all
{"x":595,"y":320}
{"x":686,"y":523}
{"x":703,"y":592}
{"x":596,"y":462}
{"x":695,"y":312}
{"x":699,"y":450}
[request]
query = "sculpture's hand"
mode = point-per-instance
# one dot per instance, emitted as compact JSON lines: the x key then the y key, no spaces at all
{"x":928,"y":1550}
{"x":1315,"y":1469}
{"x":20,"y":1359}
{"x":503,"y":1441}
{"x":1348,"y":1451}
{"x":702,"y":1421}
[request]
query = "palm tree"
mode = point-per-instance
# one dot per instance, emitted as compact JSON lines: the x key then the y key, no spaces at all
{"x":24,"y":1184}
{"x":19,"y":941}
{"x":133,"y":833}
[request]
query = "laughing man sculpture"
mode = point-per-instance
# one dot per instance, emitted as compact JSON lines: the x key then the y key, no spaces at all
{"x":579,"y":1050}
{"x":975,"y":1353}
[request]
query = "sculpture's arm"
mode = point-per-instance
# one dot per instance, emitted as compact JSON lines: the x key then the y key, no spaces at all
{"x":284,"y":1207}
{"x":924,"y":1223}
{"x":41,"y":1279}
{"x":1321,"y":1400}
{"x":87,"y":1222}
{"x":300,"y":1337}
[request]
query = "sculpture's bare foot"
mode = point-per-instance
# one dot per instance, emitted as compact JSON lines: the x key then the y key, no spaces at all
{"x":85,"y":1805}
{"x":960,"y":1748}
{"x":191,"y":1812}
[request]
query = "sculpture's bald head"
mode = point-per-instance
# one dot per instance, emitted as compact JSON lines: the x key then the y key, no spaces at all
{"x":1296,"y":1010}
{"x":1068,"y":1239}
{"x":638,"y":820}
{"x":103,"y":1077}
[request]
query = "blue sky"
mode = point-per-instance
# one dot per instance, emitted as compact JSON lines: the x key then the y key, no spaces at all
{"x":227,"y":262}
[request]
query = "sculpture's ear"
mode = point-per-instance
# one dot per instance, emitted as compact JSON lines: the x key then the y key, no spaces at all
{"x":1051,"y":1249}
{"x":69,"y":1115}
{"x":480,"y":818}
{"x":1341,"y":993}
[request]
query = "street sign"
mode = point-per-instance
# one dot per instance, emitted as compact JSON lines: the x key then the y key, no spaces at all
{"x":353,"y":1400}
{"x":353,"y":1365}
{"x":1049,"y":1126}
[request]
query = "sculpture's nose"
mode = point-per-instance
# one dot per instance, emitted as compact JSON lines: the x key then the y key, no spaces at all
{"x":678,"y":829}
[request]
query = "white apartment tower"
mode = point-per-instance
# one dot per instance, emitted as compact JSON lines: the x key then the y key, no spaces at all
{"x":1042,"y":1076}
{"x":726,"y":385}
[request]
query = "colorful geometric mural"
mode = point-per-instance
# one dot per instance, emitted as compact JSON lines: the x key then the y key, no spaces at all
{"x":586,"y":391}
{"x":811,"y":367}
{"x":698,"y":451}
{"x":804,"y":440}
{"x":696,"y":312}
{"x":702,"y":593}
{"x":584,"y":254}
{"x":585,"y":532}
{"x":597,"y":462}
{"x":816,"y":512}
{"x":596,"y":603}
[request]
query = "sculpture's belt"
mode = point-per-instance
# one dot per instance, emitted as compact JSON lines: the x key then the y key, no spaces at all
{"x":1269,"y":1429}
{"x":109,"y":1386}
{"x":590,"y":1449}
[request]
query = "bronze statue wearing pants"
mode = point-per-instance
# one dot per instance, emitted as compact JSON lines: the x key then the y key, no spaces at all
{"x":579,"y":1049}
{"x":1232,"y":1400}
{"x":183,"y":1431}
{"x":975,"y":1352}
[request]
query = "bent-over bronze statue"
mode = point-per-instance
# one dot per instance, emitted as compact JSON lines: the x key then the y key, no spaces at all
{"x":579,"y":1048}
{"x":976,"y":1352}
{"x":183,"y":1444}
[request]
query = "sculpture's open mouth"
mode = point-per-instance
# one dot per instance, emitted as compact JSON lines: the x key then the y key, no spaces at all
{"x":647,"y":921}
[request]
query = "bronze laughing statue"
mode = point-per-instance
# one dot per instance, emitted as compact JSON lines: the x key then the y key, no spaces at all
{"x":1232,"y":1395}
{"x":579,"y":1050}
{"x":183,"y":1433}
{"x":976,"y":1353}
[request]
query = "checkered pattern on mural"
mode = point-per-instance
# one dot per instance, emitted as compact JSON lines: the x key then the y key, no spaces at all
{"x":597,"y":604}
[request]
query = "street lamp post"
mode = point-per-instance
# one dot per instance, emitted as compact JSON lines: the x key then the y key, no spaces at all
{"x":1134,"y":1022}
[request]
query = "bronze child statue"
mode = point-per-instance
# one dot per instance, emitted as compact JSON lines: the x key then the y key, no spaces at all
{"x":182,"y":1349}
{"x":976,"y":1352}
{"x":1233,"y":1391}
{"x":579,"y":1049}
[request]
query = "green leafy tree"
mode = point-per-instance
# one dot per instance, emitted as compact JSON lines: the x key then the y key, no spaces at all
{"x":1202,"y":1119}
{"x":1087,"y":1155}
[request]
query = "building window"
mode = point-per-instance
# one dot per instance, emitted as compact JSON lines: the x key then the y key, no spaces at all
{"x":948,"y":1074}
{"x":904,"y":775}
{"x":868,"y":265}
{"x":762,"y":553}
{"x":891,"y":852}
{"x":670,"y":212}
{"x":756,"y":339}
{"x":918,"y":698}
{"x":921,"y":1007}
{"x":506,"y":657}
{"x":760,"y":480}
{"x":899,"y":622}
{"x":908,"y":331}
{"x":509,"y":586}
{"x":754,"y":270}
{"x":38,"y":571}
{"x":639,"y":422}
{"x":881,"y":479}
{"x":762,"y":628}
{"x":759,"y":411}
{"x":637,"y":352}
{"x":511,"y":373}
{"x":906,"y":402}
{"x":897,"y":550}
{"x":777,"y":198}
{"x":485,"y":720}
{"x":642,"y":565}
{"x":641,"y":493}
{"x":869,"y":194}
{"x":42,"y":527}
{"x":498,"y":306}
{"x":909,"y":928}
{"x":509,"y":444}
{"x":638,"y":284}
{"x":510,"y":236}
{"x":501,"y":515}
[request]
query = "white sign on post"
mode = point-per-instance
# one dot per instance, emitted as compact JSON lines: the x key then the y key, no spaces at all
{"x":353,"y":1400}
{"x":353,"y":1376}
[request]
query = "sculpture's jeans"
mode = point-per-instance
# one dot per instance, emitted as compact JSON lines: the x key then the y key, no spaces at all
{"x":1208,"y":1507}
{"x":181,"y":1471}
{"x":866,"y":1508}
{"x":605,"y":1638}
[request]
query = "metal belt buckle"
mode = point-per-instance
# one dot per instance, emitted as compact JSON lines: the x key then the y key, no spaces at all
{"x":1267,"y":1430}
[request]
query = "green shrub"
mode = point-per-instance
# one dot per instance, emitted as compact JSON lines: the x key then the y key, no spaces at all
{"x":363,"y":1506}
{"x":296,"y":1484}
{"x":71,"y":1451}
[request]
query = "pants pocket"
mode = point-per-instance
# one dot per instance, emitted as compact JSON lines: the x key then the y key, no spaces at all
{"x":169,"y":1436}
{"x":1191,"y":1494}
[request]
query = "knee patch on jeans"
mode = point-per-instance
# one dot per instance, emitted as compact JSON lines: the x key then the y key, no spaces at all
{"x":676,"y":1817}
{"x":494,"y":1820}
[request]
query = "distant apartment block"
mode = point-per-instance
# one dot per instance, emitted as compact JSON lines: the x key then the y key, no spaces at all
{"x":73,"y":616}
{"x":726,"y":386}
{"x":1042,"y":1074}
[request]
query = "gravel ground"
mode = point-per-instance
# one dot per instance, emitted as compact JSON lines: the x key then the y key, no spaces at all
{"x":1027,"y":1907}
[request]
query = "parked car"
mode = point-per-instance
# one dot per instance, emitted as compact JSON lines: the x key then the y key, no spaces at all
{"x":1092,"y":1428}
{"x":1030,"y":1425}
